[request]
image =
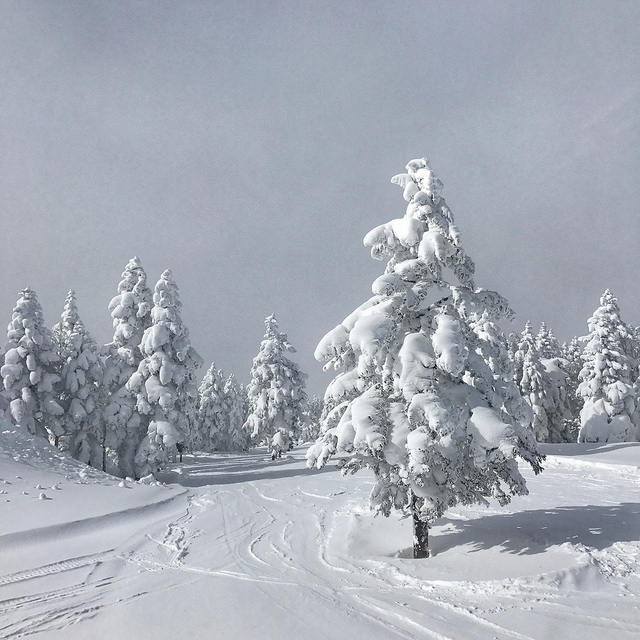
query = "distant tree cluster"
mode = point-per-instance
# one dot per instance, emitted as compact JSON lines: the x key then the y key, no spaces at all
{"x":585,"y":390}
{"x":129,"y":406}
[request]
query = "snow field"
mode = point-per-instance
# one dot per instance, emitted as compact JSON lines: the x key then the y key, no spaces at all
{"x":237,"y":546}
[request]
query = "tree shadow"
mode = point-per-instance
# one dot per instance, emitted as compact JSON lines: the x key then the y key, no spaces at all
{"x":570,"y":449}
{"x":532,"y":532}
{"x":207,"y":471}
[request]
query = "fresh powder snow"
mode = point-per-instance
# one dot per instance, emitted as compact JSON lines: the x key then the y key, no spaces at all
{"x":238,"y":546}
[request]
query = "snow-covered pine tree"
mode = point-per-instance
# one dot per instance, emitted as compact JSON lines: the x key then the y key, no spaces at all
{"x":211,"y":412}
{"x":558,"y":406}
{"x":542,"y":381}
{"x":235,"y":404}
{"x":519,"y":345}
{"x":311,"y":430}
{"x":131,"y":316}
{"x":608,"y":377}
{"x":81,"y":391}
{"x":276,"y":393}
{"x":535,"y":385}
{"x":426,"y":395}
{"x":513,"y":342}
{"x":31,"y":371}
{"x":546,"y":343}
{"x":572,"y":360}
{"x":165,"y":383}
{"x":243,"y":408}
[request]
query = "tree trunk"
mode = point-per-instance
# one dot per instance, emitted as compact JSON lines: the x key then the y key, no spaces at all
{"x":420,"y":531}
{"x":104,"y":446}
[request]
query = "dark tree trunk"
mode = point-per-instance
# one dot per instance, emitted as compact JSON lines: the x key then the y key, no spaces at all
{"x":104,"y":447}
{"x":420,"y":531}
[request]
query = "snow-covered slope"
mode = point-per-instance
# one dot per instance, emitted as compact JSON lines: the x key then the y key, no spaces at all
{"x":237,"y":546}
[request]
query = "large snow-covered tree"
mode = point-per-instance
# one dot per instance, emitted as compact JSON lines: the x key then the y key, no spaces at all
{"x":131,"y":315}
{"x":425,"y":396}
{"x":276,"y":392}
{"x":165,"y":383}
{"x":609,"y":377}
{"x":81,"y":390}
{"x":31,"y":371}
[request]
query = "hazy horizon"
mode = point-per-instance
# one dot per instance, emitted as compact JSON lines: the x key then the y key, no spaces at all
{"x":249,"y":147}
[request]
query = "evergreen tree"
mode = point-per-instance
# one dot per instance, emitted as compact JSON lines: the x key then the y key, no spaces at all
{"x":31,"y":371}
{"x":211,"y":412}
{"x":572,"y":364}
{"x":165,"y":383}
{"x":426,"y":395}
{"x":523,"y":344}
{"x":534,"y":385}
{"x":311,"y":429}
{"x":558,"y":405}
{"x":610,"y":371}
{"x":131,"y":315}
{"x":81,"y":390}
{"x":542,"y":381}
{"x":235,"y":403}
{"x":276,"y":393}
{"x":546,"y":343}
{"x":513,"y":342}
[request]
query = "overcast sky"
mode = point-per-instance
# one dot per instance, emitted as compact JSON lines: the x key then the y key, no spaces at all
{"x":249,"y":147}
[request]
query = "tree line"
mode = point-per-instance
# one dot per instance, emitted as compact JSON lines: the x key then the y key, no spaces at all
{"x":584,"y":390}
{"x":128,"y":406}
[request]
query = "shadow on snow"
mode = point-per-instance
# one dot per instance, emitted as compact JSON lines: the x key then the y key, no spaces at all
{"x":199,"y":470}
{"x":531,"y":532}
{"x":570,"y":449}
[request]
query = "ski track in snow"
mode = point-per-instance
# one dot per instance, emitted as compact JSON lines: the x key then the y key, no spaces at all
{"x":300,"y":540}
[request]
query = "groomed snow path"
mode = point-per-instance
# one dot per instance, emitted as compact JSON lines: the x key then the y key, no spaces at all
{"x":239,"y":547}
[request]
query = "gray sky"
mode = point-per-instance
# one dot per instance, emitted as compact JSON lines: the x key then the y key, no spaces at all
{"x":249,"y":146}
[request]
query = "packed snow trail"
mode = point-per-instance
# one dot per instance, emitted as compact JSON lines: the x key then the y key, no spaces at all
{"x":244,"y":547}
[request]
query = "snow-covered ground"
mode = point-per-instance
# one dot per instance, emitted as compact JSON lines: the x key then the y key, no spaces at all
{"x":237,"y":546}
